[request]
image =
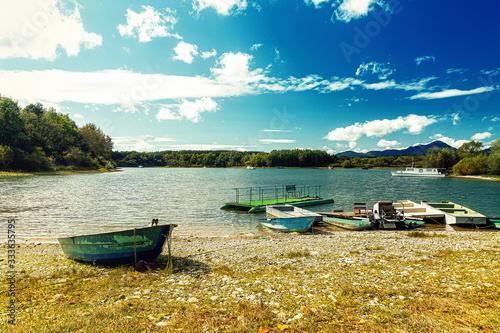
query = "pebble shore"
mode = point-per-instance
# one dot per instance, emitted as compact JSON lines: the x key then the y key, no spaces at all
{"x":298,"y":276}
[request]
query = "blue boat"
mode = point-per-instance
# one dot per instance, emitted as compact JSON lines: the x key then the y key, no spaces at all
{"x":289,"y":224}
{"x":118,"y":247}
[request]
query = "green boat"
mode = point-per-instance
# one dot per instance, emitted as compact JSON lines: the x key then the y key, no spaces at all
{"x":118,"y":247}
{"x":494,"y":222}
{"x":349,"y":224}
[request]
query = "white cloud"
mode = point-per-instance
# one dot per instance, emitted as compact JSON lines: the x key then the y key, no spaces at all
{"x":414,"y":124}
{"x":329,"y":150}
{"x":375,"y":68}
{"x":151,"y":144}
{"x":185,"y":52}
{"x":36,"y":29}
{"x":277,"y":57}
{"x":235,"y":68}
{"x":141,"y":143}
{"x":387,"y":144}
{"x":481,"y":136}
{"x":391,"y":84}
{"x":354,"y":9}
{"x":166,"y":113}
{"x":148,"y":24}
{"x":279,"y":131}
{"x":316,"y":3}
{"x":451,"y":93}
{"x":222,"y":7}
{"x":420,"y":60}
{"x":269,"y":141}
{"x":450,"y":141}
{"x":495,"y":119}
{"x":189,"y":110}
{"x":255,"y":47}
{"x":208,"y":54}
{"x":192,"y":110}
{"x":77,"y":115}
{"x":455,"y":70}
{"x":230,"y":77}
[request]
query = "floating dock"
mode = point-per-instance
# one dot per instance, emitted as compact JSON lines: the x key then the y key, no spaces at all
{"x":255,"y":199}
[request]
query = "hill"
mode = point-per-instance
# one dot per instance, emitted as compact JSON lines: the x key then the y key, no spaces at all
{"x":419,"y":149}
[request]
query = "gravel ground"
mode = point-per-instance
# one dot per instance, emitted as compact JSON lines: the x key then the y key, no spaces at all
{"x":289,"y":273}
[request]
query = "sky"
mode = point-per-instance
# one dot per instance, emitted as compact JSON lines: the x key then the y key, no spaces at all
{"x":246,"y":75}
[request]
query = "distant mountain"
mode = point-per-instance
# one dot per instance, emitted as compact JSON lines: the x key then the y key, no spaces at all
{"x":420,"y":149}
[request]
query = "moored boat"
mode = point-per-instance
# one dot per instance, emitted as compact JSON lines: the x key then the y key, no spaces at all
{"x":456,"y":214}
{"x":494,"y":222}
{"x":289,"y":224}
{"x":126,"y":246}
{"x":413,"y":210}
{"x":385,"y":216}
{"x":349,"y":224}
{"x":285,"y":210}
{"x":419,"y":172}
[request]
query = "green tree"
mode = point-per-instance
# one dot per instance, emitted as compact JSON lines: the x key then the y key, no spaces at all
{"x":440,"y":158}
{"x":470,"y":149}
{"x":347,"y":164}
{"x":6,"y":157}
{"x":11,"y":124}
{"x":95,"y":142}
{"x":55,"y":133}
{"x":494,"y":158}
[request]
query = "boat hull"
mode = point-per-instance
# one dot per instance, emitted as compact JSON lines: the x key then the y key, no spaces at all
{"x":125,"y":246}
{"x":289,"y":224}
{"x":349,"y":224}
{"x":402,"y":174}
{"x":284,"y":210}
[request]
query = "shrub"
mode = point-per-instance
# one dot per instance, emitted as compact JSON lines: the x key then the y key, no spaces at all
{"x":471,"y":165}
{"x":6,"y":157}
{"x":494,"y":164}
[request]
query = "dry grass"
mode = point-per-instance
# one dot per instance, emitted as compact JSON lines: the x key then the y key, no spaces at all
{"x":270,"y":285}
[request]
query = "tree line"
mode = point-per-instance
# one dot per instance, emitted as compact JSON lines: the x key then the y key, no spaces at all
{"x":224,"y":158}
{"x":36,"y":138}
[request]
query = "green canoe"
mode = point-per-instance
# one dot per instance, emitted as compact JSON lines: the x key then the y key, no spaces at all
{"x":127,"y":246}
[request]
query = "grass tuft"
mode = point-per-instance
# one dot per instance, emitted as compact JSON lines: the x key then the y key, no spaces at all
{"x":423,"y":234}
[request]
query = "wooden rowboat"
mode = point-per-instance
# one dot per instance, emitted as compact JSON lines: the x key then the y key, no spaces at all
{"x":285,"y":210}
{"x":289,"y":224}
{"x":126,"y":246}
{"x":349,"y":224}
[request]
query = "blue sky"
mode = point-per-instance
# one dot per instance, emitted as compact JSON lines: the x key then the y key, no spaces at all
{"x":260,"y":75}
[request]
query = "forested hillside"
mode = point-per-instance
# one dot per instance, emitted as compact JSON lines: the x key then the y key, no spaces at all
{"x":39,"y":139}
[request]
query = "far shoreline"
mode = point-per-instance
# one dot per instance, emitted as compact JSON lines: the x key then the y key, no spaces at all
{"x":54,"y":172}
{"x":118,"y":169}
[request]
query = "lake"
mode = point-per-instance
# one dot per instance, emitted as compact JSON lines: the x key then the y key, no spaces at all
{"x":47,"y":207}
